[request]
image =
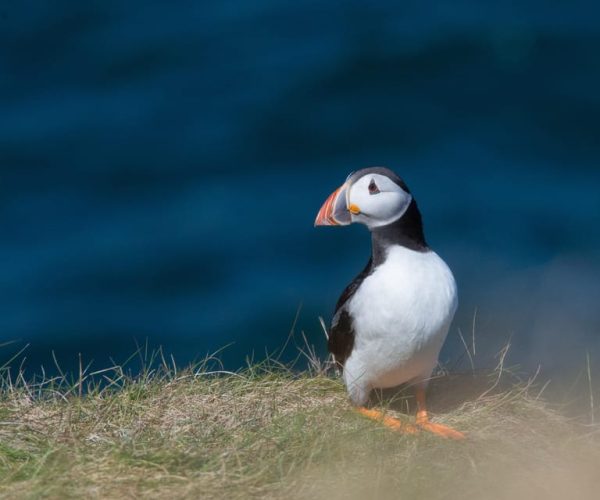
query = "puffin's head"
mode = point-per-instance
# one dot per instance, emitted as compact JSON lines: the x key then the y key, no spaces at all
{"x":372,"y":196}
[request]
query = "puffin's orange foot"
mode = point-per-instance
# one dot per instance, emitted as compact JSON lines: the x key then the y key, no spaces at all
{"x":441,"y":430}
{"x":390,"y":422}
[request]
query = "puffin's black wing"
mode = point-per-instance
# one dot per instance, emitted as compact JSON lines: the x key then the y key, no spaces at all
{"x":341,"y":333}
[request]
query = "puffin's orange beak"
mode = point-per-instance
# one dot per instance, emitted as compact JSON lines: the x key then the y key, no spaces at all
{"x":334,"y":211}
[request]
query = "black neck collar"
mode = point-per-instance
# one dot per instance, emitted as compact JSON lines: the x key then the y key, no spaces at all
{"x":407,"y":231}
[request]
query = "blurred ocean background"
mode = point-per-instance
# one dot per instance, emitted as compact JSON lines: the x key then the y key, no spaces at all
{"x":161,"y":165}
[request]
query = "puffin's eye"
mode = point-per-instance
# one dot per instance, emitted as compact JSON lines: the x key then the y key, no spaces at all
{"x":373,"y":189}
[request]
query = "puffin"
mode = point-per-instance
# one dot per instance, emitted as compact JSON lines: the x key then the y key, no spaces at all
{"x":390,"y":322}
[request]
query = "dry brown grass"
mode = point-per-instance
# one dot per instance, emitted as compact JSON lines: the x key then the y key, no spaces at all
{"x":266,"y":432}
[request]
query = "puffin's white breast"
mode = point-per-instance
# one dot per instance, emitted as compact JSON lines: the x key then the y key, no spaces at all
{"x":401,"y":314}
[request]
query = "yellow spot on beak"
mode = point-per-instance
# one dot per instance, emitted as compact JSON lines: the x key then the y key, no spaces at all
{"x":353,"y":209}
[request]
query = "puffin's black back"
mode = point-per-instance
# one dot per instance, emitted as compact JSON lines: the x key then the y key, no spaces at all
{"x":341,"y":333}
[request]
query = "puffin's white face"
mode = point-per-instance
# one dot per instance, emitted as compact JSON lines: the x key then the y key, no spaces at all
{"x":375,"y":200}
{"x":370,"y":198}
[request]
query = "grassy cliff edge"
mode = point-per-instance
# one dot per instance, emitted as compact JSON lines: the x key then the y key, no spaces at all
{"x":271,"y":433}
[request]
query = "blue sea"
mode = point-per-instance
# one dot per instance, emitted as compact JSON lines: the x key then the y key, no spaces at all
{"x":162,"y":163}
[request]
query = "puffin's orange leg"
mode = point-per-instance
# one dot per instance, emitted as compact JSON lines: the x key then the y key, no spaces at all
{"x":390,"y":422}
{"x":424,"y":423}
